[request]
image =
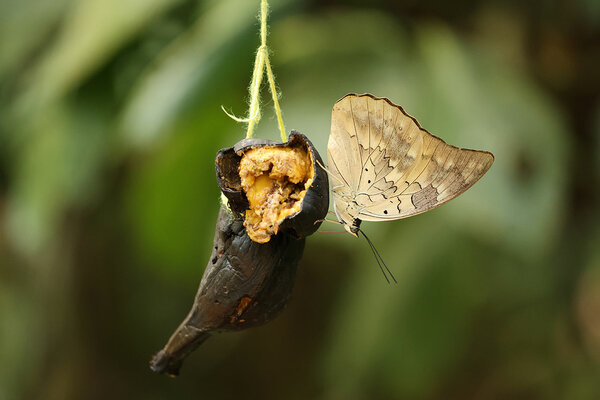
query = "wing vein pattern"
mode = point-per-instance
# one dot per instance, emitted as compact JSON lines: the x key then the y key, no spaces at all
{"x":392,"y":167}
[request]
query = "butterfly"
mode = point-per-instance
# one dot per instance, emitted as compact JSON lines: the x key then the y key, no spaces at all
{"x":385,"y":166}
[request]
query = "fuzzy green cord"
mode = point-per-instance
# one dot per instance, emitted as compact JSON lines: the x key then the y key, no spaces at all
{"x":260,"y":64}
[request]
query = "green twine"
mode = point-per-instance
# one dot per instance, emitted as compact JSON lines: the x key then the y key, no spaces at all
{"x":260,"y":64}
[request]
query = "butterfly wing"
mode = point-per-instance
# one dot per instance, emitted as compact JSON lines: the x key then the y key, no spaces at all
{"x":389,"y":167}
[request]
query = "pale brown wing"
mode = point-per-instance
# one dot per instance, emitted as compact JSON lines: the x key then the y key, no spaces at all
{"x":344,"y":154}
{"x":393,"y":168}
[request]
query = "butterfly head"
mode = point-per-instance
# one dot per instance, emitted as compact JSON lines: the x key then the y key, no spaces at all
{"x":345,"y":215}
{"x":352,"y":228}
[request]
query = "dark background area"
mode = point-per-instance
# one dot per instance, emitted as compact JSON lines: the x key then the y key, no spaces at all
{"x":110,"y":119}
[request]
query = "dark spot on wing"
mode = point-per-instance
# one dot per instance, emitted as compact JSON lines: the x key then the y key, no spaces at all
{"x":425,"y":199}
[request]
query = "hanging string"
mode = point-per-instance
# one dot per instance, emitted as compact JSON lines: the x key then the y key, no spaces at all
{"x":261,"y":63}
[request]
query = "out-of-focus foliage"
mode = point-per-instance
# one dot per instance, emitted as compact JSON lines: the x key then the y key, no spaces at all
{"x":110,"y":118}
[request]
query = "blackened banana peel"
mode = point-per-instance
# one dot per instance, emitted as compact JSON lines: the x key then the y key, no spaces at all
{"x":249,"y":278}
{"x":306,"y":204}
{"x":245,"y":284}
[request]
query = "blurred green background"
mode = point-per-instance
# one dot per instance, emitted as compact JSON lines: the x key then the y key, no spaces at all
{"x":110,"y":120}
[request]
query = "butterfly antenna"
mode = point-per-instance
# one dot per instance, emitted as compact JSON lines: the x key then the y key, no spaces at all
{"x":376,"y":258}
{"x":379,"y":259}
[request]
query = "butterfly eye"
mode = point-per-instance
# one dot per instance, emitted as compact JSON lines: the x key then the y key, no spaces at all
{"x":385,"y":211}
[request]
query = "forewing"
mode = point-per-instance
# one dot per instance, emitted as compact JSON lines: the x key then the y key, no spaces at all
{"x":364,"y":132}
{"x":343,"y":149}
